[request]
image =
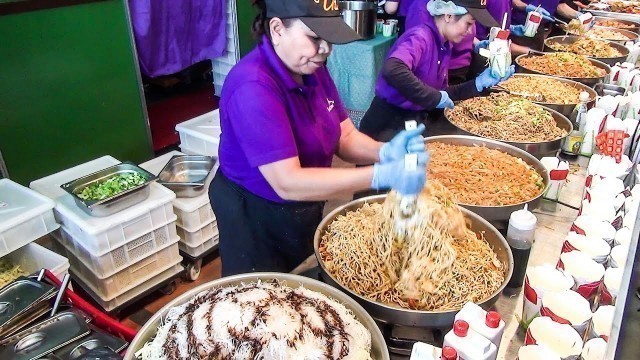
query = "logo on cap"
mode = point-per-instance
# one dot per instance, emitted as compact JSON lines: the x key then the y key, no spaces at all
{"x":333,"y":4}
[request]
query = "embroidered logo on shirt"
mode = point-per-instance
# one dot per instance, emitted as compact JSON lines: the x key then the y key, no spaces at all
{"x":330,"y":102}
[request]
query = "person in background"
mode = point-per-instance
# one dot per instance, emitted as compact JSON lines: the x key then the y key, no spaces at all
{"x":414,"y":77}
{"x":549,"y":10}
{"x":282,"y":123}
{"x":402,"y":9}
{"x":498,"y":9}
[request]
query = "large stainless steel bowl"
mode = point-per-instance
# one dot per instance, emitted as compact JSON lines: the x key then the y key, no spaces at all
{"x":564,"y":109}
{"x":635,"y":24}
{"x":537,"y":149}
{"x":589,"y":81}
{"x":378,"y":346}
{"x":629,"y":35}
{"x":406,"y":317}
{"x":615,"y":15}
{"x":498,"y":213}
{"x":549,"y":44}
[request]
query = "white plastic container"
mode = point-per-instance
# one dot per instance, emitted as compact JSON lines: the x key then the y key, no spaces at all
{"x":25,"y":216}
{"x":603,"y":321}
{"x":201,"y":134}
{"x":104,"y":234}
{"x":537,"y":352}
{"x":140,"y":290}
{"x":33,"y":257}
{"x":127,"y":279}
{"x":469,"y":344}
{"x":422,"y":351}
{"x":194,"y":239}
{"x":197,"y":251}
{"x":120,"y":258}
{"x":488,"y":324}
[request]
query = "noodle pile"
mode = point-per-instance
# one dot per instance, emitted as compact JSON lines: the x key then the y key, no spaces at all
{"x":477,"y":175}
{"x":435,"y":262}
{"x":551,"y":91}
{"x":613,"y":23}
{"x":588,"y":47}
{"x":562,"y":64}
{"x":507,"y":118}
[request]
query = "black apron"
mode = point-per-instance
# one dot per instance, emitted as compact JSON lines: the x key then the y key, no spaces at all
{"x":257,"y":234}
{"x":383,"y":120}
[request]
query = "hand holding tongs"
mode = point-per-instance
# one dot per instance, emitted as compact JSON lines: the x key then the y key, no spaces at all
{"x":533,"y":97}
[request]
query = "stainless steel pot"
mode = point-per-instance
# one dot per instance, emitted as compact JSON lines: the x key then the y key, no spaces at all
{"x":537,"y":149}
{"x":148,"y":331}
{"x":570,"y":39}
{"x":587,"y":81}
{"x":416,"y":318}
{"x":632,"y":36}
{"x":360,"y":16}
{"x":564,"y":109}
{"x":635,"y":24}
{"x":615,"y":15}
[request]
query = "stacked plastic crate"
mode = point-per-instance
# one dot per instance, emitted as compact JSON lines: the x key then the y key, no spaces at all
{"x":223,"y":64}
{"x":200,"y":135}
{"x":196,"y":221}
{"x":26,"y":216}
{"x":119,"y":257}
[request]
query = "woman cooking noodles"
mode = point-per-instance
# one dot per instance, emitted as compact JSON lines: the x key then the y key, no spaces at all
{"x":282,"y":122}
{"x":414,"y":80}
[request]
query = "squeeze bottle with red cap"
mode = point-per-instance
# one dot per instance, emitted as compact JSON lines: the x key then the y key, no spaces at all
{"x":469,"y":344}
{"x":488,"y":324}
{"x":423,"y":351}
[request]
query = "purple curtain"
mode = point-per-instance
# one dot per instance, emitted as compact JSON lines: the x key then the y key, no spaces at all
{"x":172,"y":35}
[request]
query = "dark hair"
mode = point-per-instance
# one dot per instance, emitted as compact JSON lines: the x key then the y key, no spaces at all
{"x":260,"y":24}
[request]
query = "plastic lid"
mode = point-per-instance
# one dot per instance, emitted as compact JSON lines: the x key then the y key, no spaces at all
{"x":492,"y":319}
{"x":584,"y":96}
{"x":449,"y":353}
{"x":460,"y":328}
{"x":523,"y":219}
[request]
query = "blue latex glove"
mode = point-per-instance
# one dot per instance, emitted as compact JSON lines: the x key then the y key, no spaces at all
{"x":445,"y":101}
{"x":487,"y":80}
{"x":482,"y":44}
{"x":394,"y":176}
{"x":545,"y":14}
{"x":405,"y":142}
{"x":517,"y":30}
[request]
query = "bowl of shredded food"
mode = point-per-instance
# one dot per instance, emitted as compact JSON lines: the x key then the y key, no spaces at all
{"x":561,"y":95}
{"x":565,"y":65}
{"x":512,"y":119}
{"x":416,"y":271}
{"x":608,"y":22}
{"x":608,"y":52}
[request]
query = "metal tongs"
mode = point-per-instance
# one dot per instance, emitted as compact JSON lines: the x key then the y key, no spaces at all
{"x":533,"y":97}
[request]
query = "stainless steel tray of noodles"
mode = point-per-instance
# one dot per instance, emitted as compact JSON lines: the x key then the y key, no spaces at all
{"x":407,"y":317}
{"x":589,"y":81}
{"x":564,"y":109}
{"x":537,"y":149}
{"x":635,"y":25}
{"x":498,"y":213}
{"x":379,"y":349}
{"x":614,"y":15}
{"x":570,"y":39}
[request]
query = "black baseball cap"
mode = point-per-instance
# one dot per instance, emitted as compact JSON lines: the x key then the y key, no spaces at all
{"x":478,"y":9}
{"x":321,"y":16}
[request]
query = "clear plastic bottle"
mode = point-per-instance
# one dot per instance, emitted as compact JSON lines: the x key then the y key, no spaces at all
{"x":520,"y":236}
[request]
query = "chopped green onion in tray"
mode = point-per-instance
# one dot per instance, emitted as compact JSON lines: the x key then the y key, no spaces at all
{"x":101,"y":190}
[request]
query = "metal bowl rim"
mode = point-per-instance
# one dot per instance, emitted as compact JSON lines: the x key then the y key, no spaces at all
{"x":375,"y":198}
{"x":592,"y":94}
{"x":637,"y":24}
{"x":594,"y":62}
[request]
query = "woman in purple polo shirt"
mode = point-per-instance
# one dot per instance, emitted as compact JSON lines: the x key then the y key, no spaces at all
{"x":282,"y":122}
{"x":414,"y":78}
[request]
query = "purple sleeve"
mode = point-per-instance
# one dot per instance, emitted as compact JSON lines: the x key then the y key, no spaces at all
{"x":409,"y":51}
{"x":332,"y":91}
{"x":258,"y":115}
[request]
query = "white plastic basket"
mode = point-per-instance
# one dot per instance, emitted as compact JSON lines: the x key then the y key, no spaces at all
{"x":130,"y":277}
{"x":197,"y":251}
{"x":201,"y":134}
{"x":101,"y":235}
{"x":193,"y":213}
{"x":125,"y":298}
{"x":33,"y":257}
{"x":198,"y":237}
{"x":25,"y":216}
{"x":122,"y":257}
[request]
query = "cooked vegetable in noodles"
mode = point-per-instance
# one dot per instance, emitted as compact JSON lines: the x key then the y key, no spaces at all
{"x":562,"y":64}
{"x":551,"y":91}
{"x":477,"y":175}
{"x":434,"y":263}
{"x":9,"y":272}
{"x":507,"y":118}
{"x":588,"y":47}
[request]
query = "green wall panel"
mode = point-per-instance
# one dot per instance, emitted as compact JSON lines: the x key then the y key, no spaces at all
{"x":69,"y":90}
{"x":246,"y":14}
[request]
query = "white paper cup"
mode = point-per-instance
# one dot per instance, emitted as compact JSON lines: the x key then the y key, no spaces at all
{"x":594,"y":349}
{"x":387,"y":30}
{"x":539,"y":281}
{"x":379,"y":25}
{"x":602,"y":322}
{"x":611,"y":286}
{"x":618,"y":257}
{"x":597,"y":248}
{"x":623,"y":236}
{"x":591,"y":227}
{"x":560,"y":338}
{"x":567,"y":307}
{"x":586,"y":273}
{"x":537,"y":352}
